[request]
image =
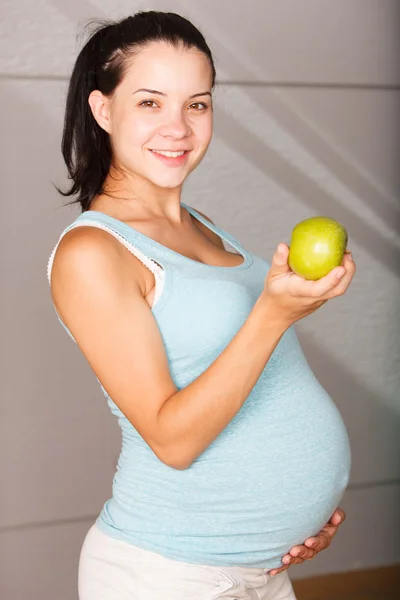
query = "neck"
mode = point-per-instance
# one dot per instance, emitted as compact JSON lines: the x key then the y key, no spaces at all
{"x":134,"y":197}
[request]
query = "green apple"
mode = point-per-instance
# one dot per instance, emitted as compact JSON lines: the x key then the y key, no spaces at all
{"x":317,"y":246}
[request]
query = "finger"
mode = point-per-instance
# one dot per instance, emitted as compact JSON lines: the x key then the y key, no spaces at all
{"x":330,"y":528}
{"x":321,"y":541}
{"x":338,"y":517}
{"x":348,"y":259}
{"x":294,"y":561}
{"x":321,"y":287}
{"x":332,"y":285}
{"x":344,"y":283}
{"x":298,"y":560}
{"x":279,"y":263}
{"x":302,"y":552}
{"x":274,"y":572}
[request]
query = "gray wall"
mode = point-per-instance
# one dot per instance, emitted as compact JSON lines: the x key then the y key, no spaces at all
{"x":306,"y":123}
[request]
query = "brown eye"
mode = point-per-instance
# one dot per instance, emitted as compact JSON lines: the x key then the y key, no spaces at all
{"x":202,"y":105}
{"x":146,"y":103}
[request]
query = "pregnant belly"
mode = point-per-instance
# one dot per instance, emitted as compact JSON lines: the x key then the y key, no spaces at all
{"x":282,"y":465}
{"x":270,"y":480}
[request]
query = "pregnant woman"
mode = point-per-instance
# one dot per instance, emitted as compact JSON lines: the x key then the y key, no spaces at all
{"x":233,"y":454}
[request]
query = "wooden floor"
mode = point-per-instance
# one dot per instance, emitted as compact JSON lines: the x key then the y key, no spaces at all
{"x":374,"y":584}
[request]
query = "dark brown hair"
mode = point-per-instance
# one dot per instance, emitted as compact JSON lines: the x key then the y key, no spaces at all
{"x":101,"y":65}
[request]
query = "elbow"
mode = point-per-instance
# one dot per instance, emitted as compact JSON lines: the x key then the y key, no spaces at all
{"x":174,"y":458}
{"x":178,"y":462}
{"x":178,"y":466}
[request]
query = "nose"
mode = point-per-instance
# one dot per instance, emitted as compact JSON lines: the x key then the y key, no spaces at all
{"x":175,"y":127}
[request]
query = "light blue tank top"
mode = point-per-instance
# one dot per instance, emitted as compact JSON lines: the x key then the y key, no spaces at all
{"x":276,"y":473}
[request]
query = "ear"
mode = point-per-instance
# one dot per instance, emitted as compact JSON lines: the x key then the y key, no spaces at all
{"x":100,"y":108}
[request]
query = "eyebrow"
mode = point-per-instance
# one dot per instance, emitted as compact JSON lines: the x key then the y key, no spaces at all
{"x":163,"y":94}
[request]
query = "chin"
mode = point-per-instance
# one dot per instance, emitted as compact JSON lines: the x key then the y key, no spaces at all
{"x":170,"y":183}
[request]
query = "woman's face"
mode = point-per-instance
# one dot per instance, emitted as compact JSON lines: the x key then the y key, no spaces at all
{"x":173,"y":115}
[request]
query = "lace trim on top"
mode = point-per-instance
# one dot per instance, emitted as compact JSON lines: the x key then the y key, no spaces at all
{"x":154,"y":267}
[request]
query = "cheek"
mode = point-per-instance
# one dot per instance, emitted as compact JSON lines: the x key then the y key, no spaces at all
{"x":134,"y":132}
{"x":205,"y":130}
{"x":141,"y":130}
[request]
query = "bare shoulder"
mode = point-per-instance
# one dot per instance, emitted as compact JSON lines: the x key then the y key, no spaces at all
{"x":86,"y":243}
{"x":89,"y":252}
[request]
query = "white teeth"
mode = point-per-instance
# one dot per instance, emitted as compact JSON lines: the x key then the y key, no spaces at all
{"x":170,"y":154}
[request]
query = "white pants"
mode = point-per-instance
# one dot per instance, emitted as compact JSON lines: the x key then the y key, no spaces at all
{"x":110,"y":569}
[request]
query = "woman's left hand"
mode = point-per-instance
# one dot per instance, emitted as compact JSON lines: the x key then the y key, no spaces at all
{"x":312,"y":545}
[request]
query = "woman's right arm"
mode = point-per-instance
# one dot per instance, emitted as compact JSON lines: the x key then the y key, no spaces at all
{"x":104,"y":308}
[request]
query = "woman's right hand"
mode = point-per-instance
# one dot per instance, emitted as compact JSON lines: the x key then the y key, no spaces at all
{"x":293,"y":297}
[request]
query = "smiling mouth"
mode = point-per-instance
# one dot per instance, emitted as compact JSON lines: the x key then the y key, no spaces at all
{"x":170,"y":153}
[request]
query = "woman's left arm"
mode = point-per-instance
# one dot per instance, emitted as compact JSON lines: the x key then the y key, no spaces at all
{"x":312,"y":545}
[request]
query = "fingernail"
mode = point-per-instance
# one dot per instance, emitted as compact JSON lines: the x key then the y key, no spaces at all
{"x":340,"y":272}
{"x":349,"y":254}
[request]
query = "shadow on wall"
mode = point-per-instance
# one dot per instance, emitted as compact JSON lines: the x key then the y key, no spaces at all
{"x":309,"y":193}
{"x":281,"y":109}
